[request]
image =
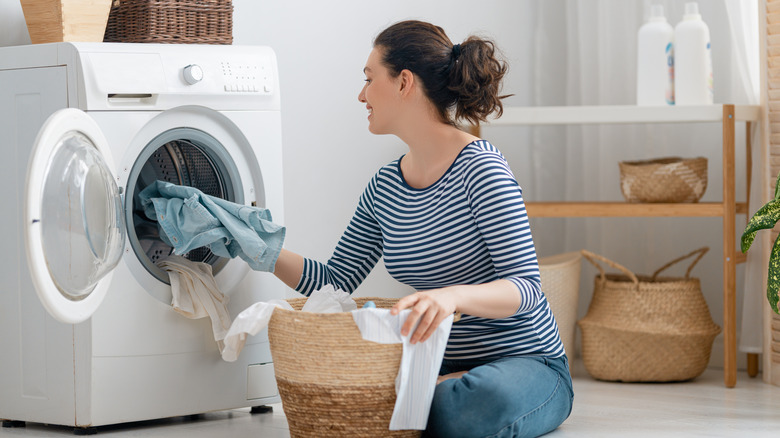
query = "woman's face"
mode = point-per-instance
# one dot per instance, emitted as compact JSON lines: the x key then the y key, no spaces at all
{"x":381,"y":94}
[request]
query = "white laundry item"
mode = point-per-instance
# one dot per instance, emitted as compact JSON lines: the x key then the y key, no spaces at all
{"x":256,"y":317}
{"x":415,"y":382}
{"x":249,"y":322}
{"x":329,"y":300}
{"x":420,"y":363}
{"x":196,"y":294}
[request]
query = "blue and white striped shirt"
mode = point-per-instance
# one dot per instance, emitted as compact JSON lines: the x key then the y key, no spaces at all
{"x":470,"y":227}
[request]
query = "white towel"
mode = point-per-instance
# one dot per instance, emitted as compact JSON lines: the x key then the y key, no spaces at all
{"x":420,"y":363}
{"x":256,"y":317}
{"x":196,"y":294}
{"x":249,"y":322}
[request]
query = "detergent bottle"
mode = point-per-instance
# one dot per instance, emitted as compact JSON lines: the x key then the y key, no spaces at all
{"x":693,"y":59}
{"x":655,"y":60}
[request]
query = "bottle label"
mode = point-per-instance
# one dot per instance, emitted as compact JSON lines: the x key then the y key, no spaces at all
{"x":670,"y":80}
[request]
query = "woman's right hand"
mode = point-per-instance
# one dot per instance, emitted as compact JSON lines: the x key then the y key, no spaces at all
{"x":428,"y":310}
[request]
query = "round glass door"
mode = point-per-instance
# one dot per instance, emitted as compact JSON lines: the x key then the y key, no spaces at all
{"x":77,"y":233}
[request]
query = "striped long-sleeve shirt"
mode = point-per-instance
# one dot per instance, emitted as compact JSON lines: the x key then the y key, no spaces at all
{"x":470,"y":227}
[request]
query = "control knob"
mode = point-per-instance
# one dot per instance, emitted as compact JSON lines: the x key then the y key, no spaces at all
{"x":193,"y":74}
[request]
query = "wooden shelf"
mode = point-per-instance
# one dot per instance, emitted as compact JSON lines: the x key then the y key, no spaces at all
{"x":624,"y":209}
{"x":621,"y":114}
{"x":723,"y":114}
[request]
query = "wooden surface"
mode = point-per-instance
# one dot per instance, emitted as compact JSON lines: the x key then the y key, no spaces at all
{"x":625,"y":209}
{"x":725,"y":114}
{"x":729,"y":252}
{"x":52,"y":21}
{"x":770,"y":78}
{"x":620,"y":114}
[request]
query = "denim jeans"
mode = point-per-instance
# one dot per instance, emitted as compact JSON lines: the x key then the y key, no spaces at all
{"x":507,"y":397}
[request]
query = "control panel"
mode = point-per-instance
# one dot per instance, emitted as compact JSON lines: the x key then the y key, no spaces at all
{"x":168,"y":75}
{"x":246,"y":77}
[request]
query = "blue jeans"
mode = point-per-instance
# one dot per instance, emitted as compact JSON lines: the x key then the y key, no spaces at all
{"x":507,"y":397}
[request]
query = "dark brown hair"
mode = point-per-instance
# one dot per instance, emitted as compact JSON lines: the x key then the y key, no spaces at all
{"x":465,"y":77}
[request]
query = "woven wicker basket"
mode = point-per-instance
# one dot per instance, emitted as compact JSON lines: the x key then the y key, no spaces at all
{"x":171,"y":21}
{"x":671,"y":179}
{"x":331,"y":381}
{"x":646,"y":329}
{"x":561,"y":285}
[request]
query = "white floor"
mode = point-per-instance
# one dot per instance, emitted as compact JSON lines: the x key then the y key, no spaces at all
{"x":701,"y":408}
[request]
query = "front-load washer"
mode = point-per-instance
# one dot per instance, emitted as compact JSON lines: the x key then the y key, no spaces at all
{"x":87,"y":332}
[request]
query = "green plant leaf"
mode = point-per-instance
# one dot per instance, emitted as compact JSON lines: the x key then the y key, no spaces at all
{"x":777,"y":187}
{"x":765,"y":218}
{"x":773,"y":279}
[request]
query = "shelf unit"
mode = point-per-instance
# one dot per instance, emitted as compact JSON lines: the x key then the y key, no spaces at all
{"x":724,"y":114}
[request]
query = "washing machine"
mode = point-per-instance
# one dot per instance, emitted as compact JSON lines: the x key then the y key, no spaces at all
{"x":88,"y":336}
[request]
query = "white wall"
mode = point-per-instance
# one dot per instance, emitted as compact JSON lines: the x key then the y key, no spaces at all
{"x":13,"y":29}
{"x":329,"y":153}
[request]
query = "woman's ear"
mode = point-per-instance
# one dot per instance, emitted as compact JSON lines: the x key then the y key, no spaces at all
{"x":407,"y":82}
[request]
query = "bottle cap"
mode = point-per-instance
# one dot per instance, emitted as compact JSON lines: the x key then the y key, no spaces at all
{"x":656,"y":13}
{"x":691,"y":11}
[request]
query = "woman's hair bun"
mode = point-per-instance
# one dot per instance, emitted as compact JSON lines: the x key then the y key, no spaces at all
{"x":462,"y":80}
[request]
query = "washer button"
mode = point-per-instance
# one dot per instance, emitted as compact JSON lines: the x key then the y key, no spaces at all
{"x":193,"y":74}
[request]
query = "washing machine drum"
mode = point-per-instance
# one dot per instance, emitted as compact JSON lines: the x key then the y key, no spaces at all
{"x":184,"y":157}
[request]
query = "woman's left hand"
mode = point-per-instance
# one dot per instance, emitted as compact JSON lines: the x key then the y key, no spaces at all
{"x":430,"y":308}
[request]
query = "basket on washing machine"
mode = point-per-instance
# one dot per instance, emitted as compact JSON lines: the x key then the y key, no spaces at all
{"x":646,"y":328}
{"x":170,"y":21}
{"x":332,"y":382}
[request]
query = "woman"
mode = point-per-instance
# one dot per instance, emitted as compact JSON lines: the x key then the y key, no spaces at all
{"x":450,"y":221}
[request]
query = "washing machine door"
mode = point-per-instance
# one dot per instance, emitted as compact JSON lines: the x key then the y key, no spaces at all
{"x":74,"y":227}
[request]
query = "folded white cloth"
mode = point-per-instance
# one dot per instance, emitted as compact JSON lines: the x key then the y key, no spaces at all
{"x":420,"y":363}
{"x":196,"y":294}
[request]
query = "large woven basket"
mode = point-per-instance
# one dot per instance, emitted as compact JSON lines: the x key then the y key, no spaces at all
{"x":170,"y":21}
{"x":331,"y":381}
{"x":670,"y":179}
{"x":561,"y":285}
{"x":646,"y":328}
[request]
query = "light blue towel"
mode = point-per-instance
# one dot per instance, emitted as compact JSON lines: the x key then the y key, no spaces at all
{"x":189,"y":219}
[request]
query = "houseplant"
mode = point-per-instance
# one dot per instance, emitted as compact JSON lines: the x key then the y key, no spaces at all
{"x":765,"y":218}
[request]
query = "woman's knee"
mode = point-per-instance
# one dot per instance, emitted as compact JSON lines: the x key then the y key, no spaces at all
{"x":468,"y":407}
{"x":496,"y":400}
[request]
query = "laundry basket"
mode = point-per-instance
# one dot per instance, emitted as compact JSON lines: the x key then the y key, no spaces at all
{"x":561,"y":285}
{"x":332,"y":382}
{"x":170,"y":21}
{"x":646,"y":328}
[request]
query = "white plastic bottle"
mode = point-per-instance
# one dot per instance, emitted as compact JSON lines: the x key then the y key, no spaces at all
{"x":655,"y":60}
{"x":693,"y":60}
